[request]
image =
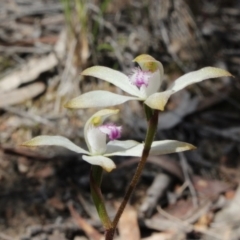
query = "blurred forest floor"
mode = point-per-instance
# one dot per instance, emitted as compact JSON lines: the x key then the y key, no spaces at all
{"x":44,"y":46}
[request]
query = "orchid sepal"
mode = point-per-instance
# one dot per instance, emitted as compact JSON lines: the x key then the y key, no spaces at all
{"x":158,"y":148}
{"x":106,"y":163}
{"x":112,"y":76}
{"x":98,"y":98}
{"x":45,"y":140}
{"x":198,"y":76}
{"x":158,"y":100}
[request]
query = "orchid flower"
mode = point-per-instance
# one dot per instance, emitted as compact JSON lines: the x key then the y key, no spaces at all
{"x":143,"y":84}
{"x":95,"y":134}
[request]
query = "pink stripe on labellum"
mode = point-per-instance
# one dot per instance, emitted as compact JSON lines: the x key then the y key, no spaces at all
{"x":139,"y":77}
{"x":113,"y":131}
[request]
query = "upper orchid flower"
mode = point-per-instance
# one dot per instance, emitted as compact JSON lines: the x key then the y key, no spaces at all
{"x":95,"y":134}
{"x":143,"y":84}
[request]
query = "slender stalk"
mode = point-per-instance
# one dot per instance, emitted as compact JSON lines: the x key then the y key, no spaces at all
{"x":148,"y":112}
{"x":152,"y":128}
{"x":95,"y":183}
{"x":109,"y":234}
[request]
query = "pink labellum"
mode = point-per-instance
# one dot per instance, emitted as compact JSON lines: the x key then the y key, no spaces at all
{"x":113,"y":131}
{"x":139,"y":77}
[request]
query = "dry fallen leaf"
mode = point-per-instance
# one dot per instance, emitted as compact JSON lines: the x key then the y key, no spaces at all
{"x":209,"y":188}
{"x":20,"y":95}
{"x":91,"y":232}
{"x":33,"y":67}
{"x":128,"y":224}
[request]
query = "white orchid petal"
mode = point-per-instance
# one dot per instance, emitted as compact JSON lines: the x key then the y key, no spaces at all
{"x":158,"y":100}
{"x":143,"y":92}
{"x":97,"y":141}
{"x":93,"y":123}
{"x":158,"y":148}
{"x":112,"y":76}
{"x":106,"y":163}
{"x":169,"y":146}
{"x":154,"y":83}
{"x":116,"y":145}
{"x":135,"y":151}
{"x":54,"y":140}
{"x":97,"y":99}
{"x":198,"y":76}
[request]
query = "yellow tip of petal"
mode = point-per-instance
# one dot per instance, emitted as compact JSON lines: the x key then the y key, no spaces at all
{"x":71,"y":105}
{"x":147,"y":62}
{"x":29,"y":143}
{"x":192,"y":147}
{"x":219,"y":72}
{"x":86,"y":71}
{"x":144,"y":58}
{"x":67,"y":105}
{"x":159,"y":100}
{"x":109,"y":169}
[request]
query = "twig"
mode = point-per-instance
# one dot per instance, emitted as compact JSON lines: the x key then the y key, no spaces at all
{"x":155,"y":192}
{"x":91,"y":232}
{"x":186,"y":224}
{"x":28,"y":115}
{"x":185,"y":169}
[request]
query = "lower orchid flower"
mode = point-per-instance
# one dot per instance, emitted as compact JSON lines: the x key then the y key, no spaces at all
{"x":143,"y":84}
{"x":99,"y":150}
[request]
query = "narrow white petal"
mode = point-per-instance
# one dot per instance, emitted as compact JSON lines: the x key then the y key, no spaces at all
{"x":158,"y":148}
{"x":97,"y":141}
{"x":54,"y":141}
{"x":98,"y":99}
{"x":116,"y":145}
{"x":198,"y":76}
{"x":115,"y":77}
{"x":154,"y":83}
{"x":135,"y":151}
{"x":106,"y":163}
{"x":169,"y":146}
{"x":158,"y":100}
{"x":93,"y":122}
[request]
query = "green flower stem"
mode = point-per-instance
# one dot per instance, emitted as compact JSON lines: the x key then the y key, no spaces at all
{"x":95,"y":183}
{"x":148,"y":111}
{"x":152,"y":128}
